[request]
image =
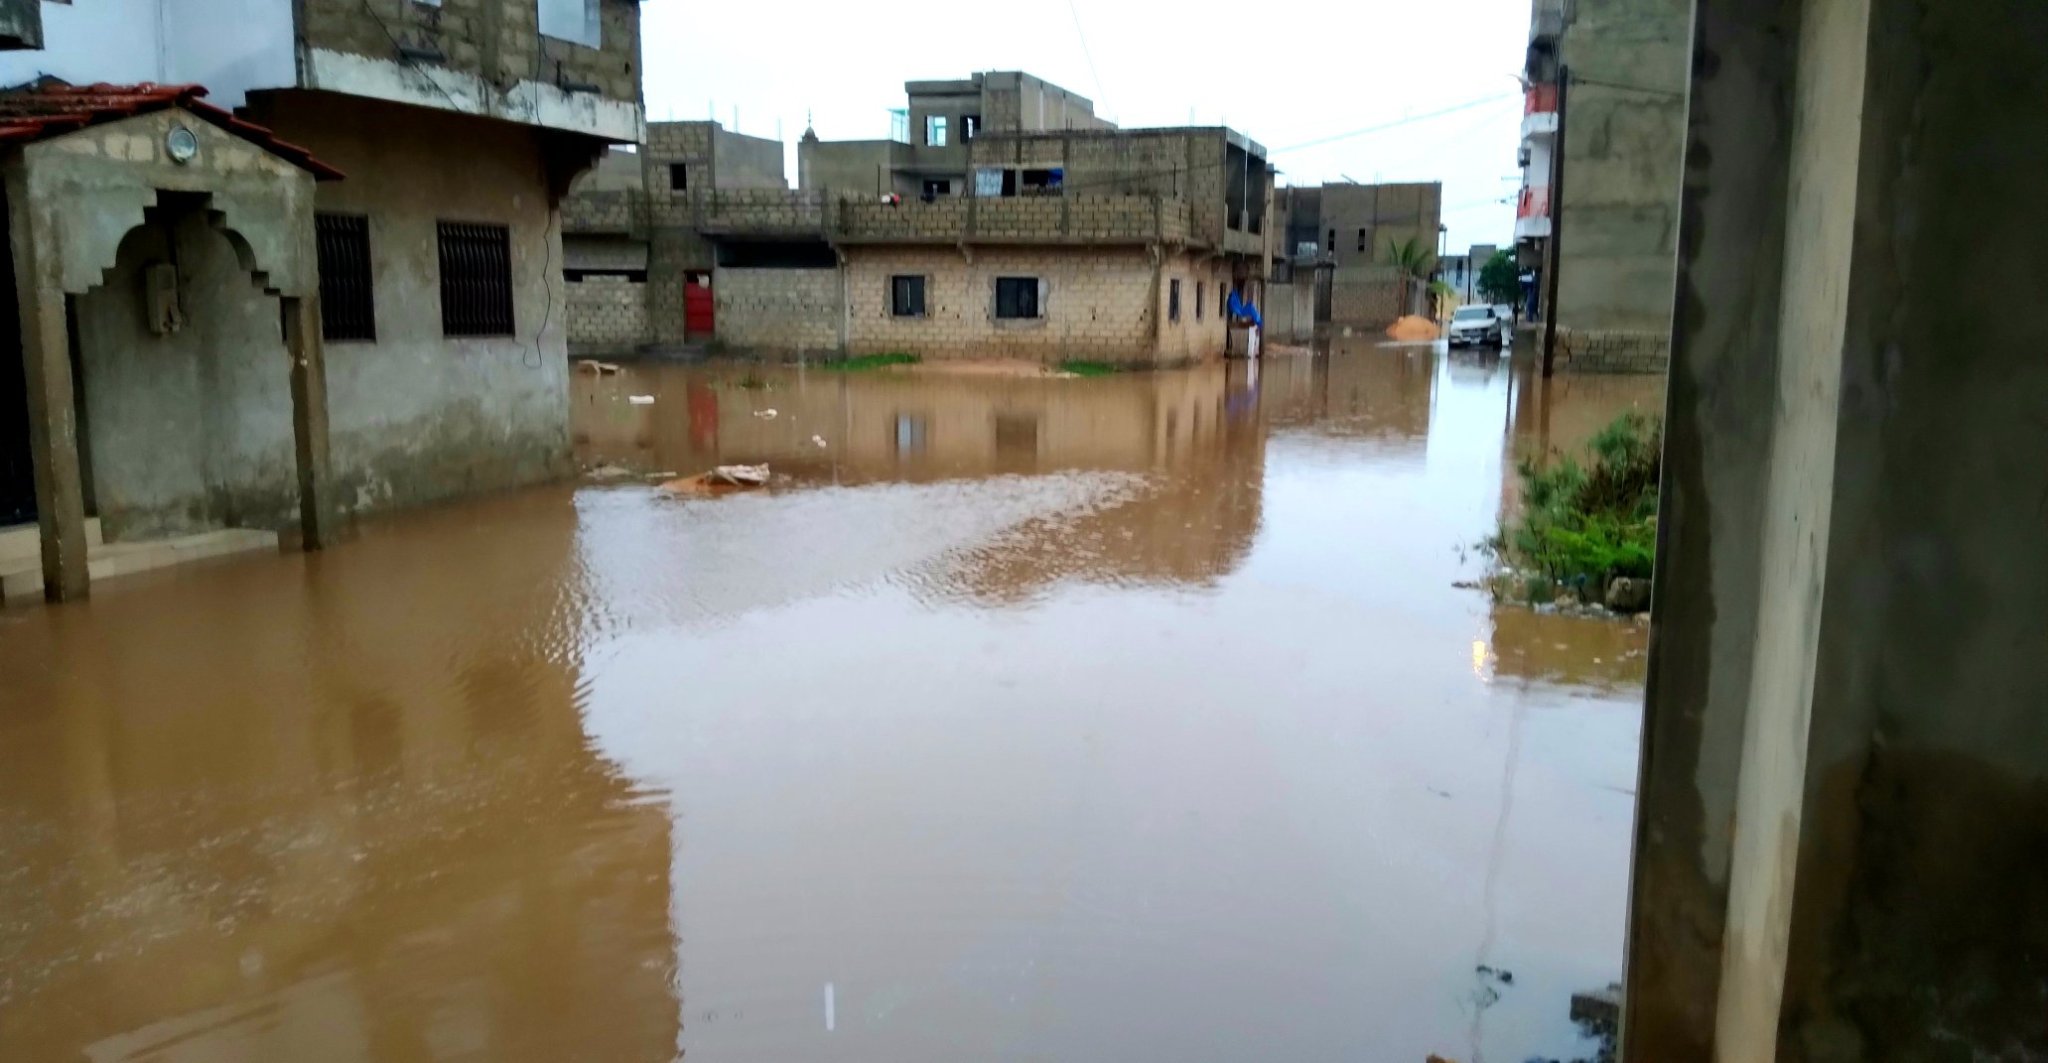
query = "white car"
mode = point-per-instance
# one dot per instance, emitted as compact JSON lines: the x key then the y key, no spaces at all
{"x":1477,"y":324}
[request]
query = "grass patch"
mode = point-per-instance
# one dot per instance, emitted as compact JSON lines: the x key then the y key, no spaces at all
{"x":872,"y":361}
{"x":1584,"y":523}
{"x":1079,"y":367}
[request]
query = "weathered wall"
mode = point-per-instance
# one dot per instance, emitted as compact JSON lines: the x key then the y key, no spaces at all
{"x":1844,"y":798}
{"x":1624,"y":146}
{"x":607,"y":314}
{"x":1365,"y":296}
{"x":741,"y":161}
{"x":1098,"y":304}
{"x":786,"y":310}
{"x":850,"y":167}
{"x":498,"y":40}
{"x":416,"y":415}
{"x":190,"y":430}
{"x":1183,"y":163}
{"x":1367,"y":217}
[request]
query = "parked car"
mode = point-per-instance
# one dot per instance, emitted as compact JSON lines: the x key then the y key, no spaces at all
{"x":1477,"y":324}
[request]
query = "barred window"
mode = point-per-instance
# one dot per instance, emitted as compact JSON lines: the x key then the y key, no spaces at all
{"x":348,"y":309}
{"x":906,"y":296}
{"x":476,"y":280}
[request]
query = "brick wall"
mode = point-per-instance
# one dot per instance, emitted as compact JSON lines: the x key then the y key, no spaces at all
{"x":1365,"y":297}
{"x":1098,"y":304}
{"x":1612,"y":351}
{"x":783,"y":310}
{"x":607,"y":315}
{"x":499,"y":40}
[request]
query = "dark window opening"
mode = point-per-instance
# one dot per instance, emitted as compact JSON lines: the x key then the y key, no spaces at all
{"x":348,"y":306}
{"x":1361,"y":239}
{"x":776,"y":254}
{"x":1040,"y":182}
{"x":1331,"y":245}
{"x":578,"y":276}
{"x":476,"y":279}
{"x":935,"y":188}
{"x":1173,"y":300}
{"x":906,"y":296}
{"x":1016,"y":297}
{"x":1199,"y":289}
{"x":970,"y":126}
{"x":678,"y":176}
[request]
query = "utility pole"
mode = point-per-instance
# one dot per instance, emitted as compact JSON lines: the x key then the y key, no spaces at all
{"x":1556,"y":193}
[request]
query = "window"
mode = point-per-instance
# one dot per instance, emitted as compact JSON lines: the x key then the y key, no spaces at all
{"x":1016,"y":297}
{"x":933,"y":189}
{"x":678,"y":176}
{"x":1361,"y":239}
{"x":970,"y":127}
{"x":1173,"y":299}
{"x":935,"y":130}
{"x":347,"y":304}
{"x":906,"y":296}
{"x":476,"y":279}
{"x":1199,"y":287}
{"x":1331,"y":245}
{"x":574,"y":21}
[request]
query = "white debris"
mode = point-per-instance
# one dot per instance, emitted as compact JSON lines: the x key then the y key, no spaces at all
{"x":767,"y":414}
{"x":640,"y":400}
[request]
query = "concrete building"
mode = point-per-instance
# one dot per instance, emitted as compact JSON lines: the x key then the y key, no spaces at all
{"x":942,"y":121}
{"x":1616,"y":219}
{"x":1340,"y":270}
{"x":1077,"y":241}
{"x":422,"y":349}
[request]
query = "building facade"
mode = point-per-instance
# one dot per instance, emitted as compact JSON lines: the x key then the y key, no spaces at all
{"x":436,"y":310}
{"x":1041,"y":233}
{"x":1343,"y":241}
{"x":1622,"y":66}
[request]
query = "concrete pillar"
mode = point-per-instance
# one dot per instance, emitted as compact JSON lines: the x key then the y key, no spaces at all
{"x":317,"y":513}
{"x":52,"y":411}
{"x":1844,"y":795}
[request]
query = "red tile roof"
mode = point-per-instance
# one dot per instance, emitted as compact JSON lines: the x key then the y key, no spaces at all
{"x":51,"y":108}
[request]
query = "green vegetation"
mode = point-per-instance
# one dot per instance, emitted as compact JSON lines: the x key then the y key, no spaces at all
{"x":1414,"y":259}
{"x":1582,"y":525}
{"x":1499,"y":280}
{"x":1078,"y":367}
{"x":873,"y":361}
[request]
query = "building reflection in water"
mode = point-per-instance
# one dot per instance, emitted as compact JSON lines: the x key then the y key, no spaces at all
{"x":1162,"y":471}
{"x":328,"y":807}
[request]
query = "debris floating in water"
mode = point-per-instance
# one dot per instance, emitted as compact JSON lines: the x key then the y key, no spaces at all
{"x":720,"y":480}
{"x":640,"y":400}
{"x":594,"y":367}
{"x":768,"y":414}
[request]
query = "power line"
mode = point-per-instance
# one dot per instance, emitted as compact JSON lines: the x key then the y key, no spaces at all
{"x":1101,"y":94}
{"x":1398,"y":123}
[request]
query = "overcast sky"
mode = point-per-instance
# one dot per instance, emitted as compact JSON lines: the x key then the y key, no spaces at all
{"x":1298,"y":72}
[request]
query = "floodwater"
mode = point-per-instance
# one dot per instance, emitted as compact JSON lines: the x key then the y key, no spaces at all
{"x":1022,"y":719}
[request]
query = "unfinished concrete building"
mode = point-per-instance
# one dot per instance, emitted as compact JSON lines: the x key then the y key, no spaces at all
{"x":1077,"y":241}
{"x":1615,"y":219}
{"x":154,"y":401}
{"x":1343,"y":241}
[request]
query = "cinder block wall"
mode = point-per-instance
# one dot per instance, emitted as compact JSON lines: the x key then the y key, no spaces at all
{"x":1097,"y":304}
{"x":1365,"y":297}
{"x":783,"y":310}
{"x":607,"y":315}
{"x":498,"y":40}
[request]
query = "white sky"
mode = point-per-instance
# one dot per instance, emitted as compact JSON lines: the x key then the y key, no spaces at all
{"x":1294,"y":73}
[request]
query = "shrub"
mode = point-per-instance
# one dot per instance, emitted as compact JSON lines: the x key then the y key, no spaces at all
{"x":1582,"y":525}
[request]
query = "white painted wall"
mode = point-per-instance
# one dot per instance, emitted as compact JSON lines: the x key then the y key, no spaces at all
{"x":229,"y":46}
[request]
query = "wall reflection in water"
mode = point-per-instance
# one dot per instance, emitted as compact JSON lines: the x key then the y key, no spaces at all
{"x":336,"y":807}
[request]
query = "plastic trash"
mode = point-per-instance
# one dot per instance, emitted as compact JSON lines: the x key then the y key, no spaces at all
{"x":640,"y":400}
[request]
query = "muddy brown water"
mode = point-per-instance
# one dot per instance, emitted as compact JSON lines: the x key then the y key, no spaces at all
{"x":1130,"y":718}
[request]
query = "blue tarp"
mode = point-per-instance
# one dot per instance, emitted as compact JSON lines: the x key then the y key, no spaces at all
{"x":1243,"y":310}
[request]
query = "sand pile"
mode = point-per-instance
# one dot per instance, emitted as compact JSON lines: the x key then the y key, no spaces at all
{"x":1412,"y":328}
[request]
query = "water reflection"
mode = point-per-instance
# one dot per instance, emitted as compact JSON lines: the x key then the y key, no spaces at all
{"x":1026,"y":718}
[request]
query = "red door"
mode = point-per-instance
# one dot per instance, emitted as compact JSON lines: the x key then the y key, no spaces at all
{"x":698,"y":319}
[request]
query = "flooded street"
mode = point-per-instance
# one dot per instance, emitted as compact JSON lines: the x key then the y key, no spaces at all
{"x":1021,"y":718}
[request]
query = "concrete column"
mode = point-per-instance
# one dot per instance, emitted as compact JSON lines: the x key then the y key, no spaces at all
{"x":1844,"y":795}
{"x":317,"y":512}
{"x":52,"y":411}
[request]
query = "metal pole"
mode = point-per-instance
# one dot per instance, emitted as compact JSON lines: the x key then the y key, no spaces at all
{"x":1564,"y":77}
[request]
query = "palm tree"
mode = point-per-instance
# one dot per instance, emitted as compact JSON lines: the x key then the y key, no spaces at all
{"x":1414,"y":259}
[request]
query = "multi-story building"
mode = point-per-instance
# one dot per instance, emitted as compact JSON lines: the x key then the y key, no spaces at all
{"x":1044,"y":235}
{"x":1342,"y":241}
{"x":1616,"y":219}
{"x":387,"y":171}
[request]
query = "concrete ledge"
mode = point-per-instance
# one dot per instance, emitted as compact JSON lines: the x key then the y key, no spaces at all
{"x":22,"y":580}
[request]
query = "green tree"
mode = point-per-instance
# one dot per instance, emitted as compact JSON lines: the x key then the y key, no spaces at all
{"x":1499,"y":280}
{"x":1414,"y":259}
